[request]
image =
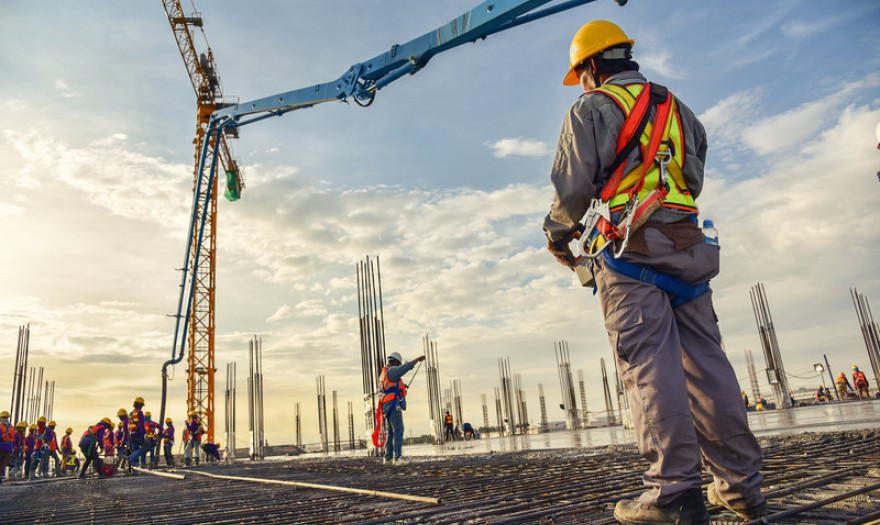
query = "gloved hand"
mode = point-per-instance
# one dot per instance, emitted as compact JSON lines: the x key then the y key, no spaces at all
{"x":560,"y":248}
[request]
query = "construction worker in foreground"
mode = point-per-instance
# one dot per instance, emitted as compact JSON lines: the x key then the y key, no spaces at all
{"x":843,"y":387}
{"x":7,"y":442}
{"x":665,"y":338}
{"x":393,"y":404}
{"x":194,"y":430}
{"x":137,"y":431}
{"x":168,"y":441}
{"x":91,"y":442}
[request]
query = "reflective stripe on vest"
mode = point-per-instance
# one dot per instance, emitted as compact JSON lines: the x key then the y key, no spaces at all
{"x":672,"y":140}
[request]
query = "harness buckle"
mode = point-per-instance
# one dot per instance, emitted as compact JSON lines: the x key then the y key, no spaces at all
{"x":598,"y":210}
{"x":625,"y":226}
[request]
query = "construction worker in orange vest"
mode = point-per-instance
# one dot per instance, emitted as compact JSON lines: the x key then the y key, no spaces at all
{"x":137,"y":430}
{"x":90,"y":444}
{"x":168,"y":441}
{"x":843,"y":386}
{"x":66,"y":450}
{"x":861,"y":383}
{"x":7,"y":442}
{"x":448,"y":427}
{"x":634,"y":185}
{"x":394,"y":403}
{"x":17,"y":462}
{"x":194,"y":431}
{"x":50,"y":448}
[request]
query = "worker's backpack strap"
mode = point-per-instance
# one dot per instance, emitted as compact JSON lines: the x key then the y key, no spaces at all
{"x":679,"y":291}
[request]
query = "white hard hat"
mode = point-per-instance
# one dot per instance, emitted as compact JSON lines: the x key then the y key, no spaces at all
{"x":395,"y":355}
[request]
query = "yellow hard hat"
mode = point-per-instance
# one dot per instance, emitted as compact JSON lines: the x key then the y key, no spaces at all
{"x":4,"y":414}
{"x":139,"y":400}
{"x":68,"y":431}
{"x":120,"y":424}
{"x":842,"y":374}
{"x":855,"y":367}
{"x":107,"y":420}
{"x":168,"y":420}
{"x":21,"y":424}
{"x":589,"y":40}
{"x":42,"y":419}
{"x":147,"y":414}
{"x":33,"y":426}
{"x":52,"y":423}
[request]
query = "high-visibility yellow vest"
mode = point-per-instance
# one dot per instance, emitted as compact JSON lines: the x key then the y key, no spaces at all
{"x":679,"y":197}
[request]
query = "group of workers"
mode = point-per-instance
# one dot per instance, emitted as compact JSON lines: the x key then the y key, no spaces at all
{"x":135,"y":442}
{"x":844,"y":389}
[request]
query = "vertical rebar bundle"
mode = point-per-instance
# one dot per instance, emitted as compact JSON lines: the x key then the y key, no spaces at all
{"x":456,"y":402}
{"x":507,"y":395}
{"x":609,"y":405}
{"x":485,"y":414}
{"x":543,"y":403}
{"x":299,"y":440}
{"x":351,"y":444}
{"x":255,"y":398}
{"x":753,"y":376}
{"x":372,"y":334}
{"x":767,"y":332}
{"x":566,"y":385}
{"x":229,"y":426}
{"x":522,"y":411}
{"x":19,"y":374}
{"x":432,"y":372}
{"x":870,"y":332}
{"x":499,"y":415}
{"x":337,"y":441}
{"x":322,"y":415}
{"x":585,"y":413}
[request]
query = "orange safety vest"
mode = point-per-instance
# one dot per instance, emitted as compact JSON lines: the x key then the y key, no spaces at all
{"x":92,"y":433}
{"x":7,"y":433}
{"x":449,"y":419}
{"x":859,"y":377}
{"x":134,"y":420}
{"x":151,"y":429}
{"x":66,"y":445}
{"x":393,"y":390}
{"x":841,"y":382}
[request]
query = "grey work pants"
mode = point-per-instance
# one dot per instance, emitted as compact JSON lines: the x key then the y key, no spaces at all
{"x":683,"y":392}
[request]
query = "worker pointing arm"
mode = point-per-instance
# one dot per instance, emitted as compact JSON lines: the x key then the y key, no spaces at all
{"x":393,"y":404}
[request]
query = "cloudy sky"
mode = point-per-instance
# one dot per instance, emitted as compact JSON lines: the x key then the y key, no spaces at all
{"x":444,"y":178}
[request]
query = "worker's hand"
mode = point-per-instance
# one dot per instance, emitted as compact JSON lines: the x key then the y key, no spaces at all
{"x":560,"y":248}
{"x":419,"y":359}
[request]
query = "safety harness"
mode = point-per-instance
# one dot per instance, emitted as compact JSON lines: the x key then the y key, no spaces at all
{"x":393,"y":392}
{"x":639,"y":192}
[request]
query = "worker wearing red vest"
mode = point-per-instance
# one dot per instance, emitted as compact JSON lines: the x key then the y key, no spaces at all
{"x":861,"y":383}
{"x":151,"y":437}
{"x":633,"y":153}
{"x":393,"y":403}
{"x":17,"y":462}
{"x":91,"y":442}
{"x":7,"y":442}
{"x":50,"y":447}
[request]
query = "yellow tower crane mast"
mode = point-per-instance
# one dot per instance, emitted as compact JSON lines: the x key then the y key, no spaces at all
{"x":206,"y":83}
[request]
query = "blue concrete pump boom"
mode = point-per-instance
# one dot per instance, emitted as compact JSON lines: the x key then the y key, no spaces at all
{"x":360,"y":82}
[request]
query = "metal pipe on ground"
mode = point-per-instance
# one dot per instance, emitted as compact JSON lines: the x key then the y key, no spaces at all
{"x":378,"y":493}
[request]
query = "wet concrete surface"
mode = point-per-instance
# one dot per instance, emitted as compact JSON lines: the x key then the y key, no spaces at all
{"x":804,"y":473}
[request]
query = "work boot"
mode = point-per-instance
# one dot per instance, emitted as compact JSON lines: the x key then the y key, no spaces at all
{"x":687,"y":509}
{"x":749,"y":513}
{"x":197,"y":462}
{"x":187,"y":462}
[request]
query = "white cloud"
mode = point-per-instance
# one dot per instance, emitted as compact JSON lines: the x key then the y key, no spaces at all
{"x":519,"y":147}
{"x":283,"y":312}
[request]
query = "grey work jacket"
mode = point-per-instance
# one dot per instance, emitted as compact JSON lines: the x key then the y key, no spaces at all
{"x":588,"y":145}
{"x":396,"y":373}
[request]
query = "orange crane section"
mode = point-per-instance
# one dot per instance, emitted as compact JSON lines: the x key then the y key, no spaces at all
{"x":206,"y":83}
